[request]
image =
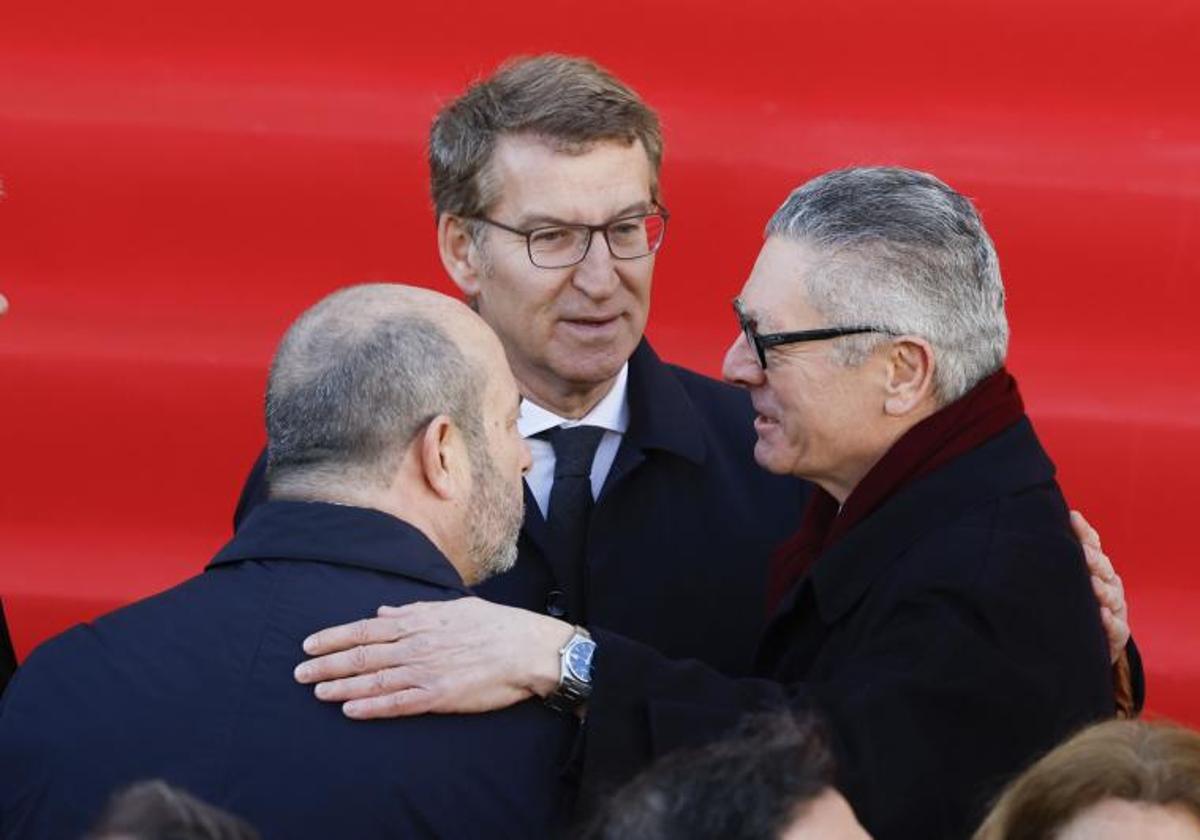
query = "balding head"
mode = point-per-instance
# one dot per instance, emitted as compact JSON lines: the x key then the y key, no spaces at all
{"x":359,"y":374}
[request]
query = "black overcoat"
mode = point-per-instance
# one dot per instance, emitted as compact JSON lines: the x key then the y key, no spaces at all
{"x":949,"y":639}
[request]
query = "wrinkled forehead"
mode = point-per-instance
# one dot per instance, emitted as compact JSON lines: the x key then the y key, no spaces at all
{"x":532,"y":176}
{"x":774,"y":293}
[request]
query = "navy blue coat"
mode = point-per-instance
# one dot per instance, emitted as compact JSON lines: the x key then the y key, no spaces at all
{"x":195,"y":686}
{"x":681,"y":532}
{"x":950,"y":638}
{"x":8,"y":659}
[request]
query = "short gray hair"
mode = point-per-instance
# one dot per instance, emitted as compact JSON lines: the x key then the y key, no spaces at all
{"x":899,"y":250}
{"x":353,"y":381}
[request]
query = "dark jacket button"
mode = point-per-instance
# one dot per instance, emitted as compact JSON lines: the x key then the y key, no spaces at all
{"x":556,"y":603}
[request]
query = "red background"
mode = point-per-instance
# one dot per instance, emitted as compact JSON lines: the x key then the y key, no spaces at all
{"x":183,"y":178}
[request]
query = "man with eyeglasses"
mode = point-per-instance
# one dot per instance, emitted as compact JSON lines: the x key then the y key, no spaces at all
{"x":645,"y":512}
{"x":935,"y":606}
{"x":643,"y":501}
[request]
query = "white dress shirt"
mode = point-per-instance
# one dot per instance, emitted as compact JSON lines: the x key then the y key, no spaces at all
{"x":610,"y":414}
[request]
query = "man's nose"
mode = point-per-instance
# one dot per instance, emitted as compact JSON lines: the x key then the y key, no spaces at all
{"x":741,"y":366}
{"x":596,"y":276}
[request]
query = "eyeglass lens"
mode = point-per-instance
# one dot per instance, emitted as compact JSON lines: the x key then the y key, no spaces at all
{"x":750,"y":331}
{"x":563,"y":245}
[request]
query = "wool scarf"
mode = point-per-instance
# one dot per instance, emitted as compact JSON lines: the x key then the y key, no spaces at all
{"x":982,"y":413}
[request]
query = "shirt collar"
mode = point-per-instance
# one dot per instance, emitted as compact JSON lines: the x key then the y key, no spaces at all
{"x":611,"y":413}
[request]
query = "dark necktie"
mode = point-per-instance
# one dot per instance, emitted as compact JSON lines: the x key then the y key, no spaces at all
{"x":570,"y":510}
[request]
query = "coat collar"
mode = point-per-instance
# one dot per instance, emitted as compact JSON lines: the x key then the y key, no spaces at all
{"x":340,"y":535}
{"x":661,"y":413}
{"x":1011,"y":461}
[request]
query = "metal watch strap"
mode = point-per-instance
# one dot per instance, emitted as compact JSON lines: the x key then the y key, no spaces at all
{"x":571,"y":692}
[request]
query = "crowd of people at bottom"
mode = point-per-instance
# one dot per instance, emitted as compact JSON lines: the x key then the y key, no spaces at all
{"x":775,"y":779}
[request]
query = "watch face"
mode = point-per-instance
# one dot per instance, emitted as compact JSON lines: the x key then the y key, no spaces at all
{"x":579,"y":659}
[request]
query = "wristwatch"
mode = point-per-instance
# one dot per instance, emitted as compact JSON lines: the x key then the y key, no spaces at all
{"x":575,"y":672}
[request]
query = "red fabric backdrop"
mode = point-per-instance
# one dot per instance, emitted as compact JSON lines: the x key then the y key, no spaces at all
{"x":183,"y":178}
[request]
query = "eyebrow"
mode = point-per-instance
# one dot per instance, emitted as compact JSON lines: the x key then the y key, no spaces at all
{"x":532,"y":220}
{"x":749,"y":314}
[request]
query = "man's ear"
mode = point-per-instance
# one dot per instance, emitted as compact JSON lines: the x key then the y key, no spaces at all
{"x":444,"y":460}
{"x":909,"y":375}
{"x":460,"y":256}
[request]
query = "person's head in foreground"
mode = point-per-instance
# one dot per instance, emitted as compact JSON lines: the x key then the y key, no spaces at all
{"x":772,"y":779}
{"x":397,"y":398}
{"x":157,"y":811}
{"x":876,"y":300}
{"x":545,"y":183}
{"x":1119,"y":779}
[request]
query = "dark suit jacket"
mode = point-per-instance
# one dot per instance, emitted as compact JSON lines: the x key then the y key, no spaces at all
{"x":8,"y":659}
{"x":195,"y":686}
{"x":681,"y":532}
{"x":950,"y":638}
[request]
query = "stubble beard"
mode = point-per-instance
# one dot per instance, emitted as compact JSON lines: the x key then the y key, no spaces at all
{"x":497,"y":512}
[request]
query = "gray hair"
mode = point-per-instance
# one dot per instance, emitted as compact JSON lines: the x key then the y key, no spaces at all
{"x":571,"y":103}
{"x":354,"y":380}
{"x":900,"y":250}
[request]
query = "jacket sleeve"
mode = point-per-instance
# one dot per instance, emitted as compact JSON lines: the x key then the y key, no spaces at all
{"x":644,"y":705}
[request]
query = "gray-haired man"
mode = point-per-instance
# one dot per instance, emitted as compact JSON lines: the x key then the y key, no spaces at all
{"x":940,"y":615}
{"x":545,"y":181}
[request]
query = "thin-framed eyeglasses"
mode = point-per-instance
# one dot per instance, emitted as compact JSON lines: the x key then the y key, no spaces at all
{"x":761,"y":342}
{"x":561,"y":246}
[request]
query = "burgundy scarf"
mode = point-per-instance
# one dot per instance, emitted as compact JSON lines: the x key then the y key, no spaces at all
{"x":986,"y":410}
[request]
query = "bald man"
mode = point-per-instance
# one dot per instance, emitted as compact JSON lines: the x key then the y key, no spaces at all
{"x":396,"y":469}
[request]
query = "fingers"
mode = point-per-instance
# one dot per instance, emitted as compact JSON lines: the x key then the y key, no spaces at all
{"x":1111,"y":596}
{"x":366,"y":631}
{"x":1084,"y":531}
{"x":376,"y":684}
{"x":1117,"y":631}
{"x":434,"y":612}
{"x":360,"y":659}
{"x":412,"y":701}
{"x":1098,"y":563}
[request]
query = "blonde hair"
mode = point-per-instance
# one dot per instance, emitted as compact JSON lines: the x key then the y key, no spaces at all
{"x":1155,"y":763}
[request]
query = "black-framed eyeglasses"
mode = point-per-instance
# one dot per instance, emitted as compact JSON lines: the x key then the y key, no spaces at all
{"x":562,"y":246}
{"x":760,"y":343}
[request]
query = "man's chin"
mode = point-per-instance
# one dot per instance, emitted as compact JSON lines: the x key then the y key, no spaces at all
{"x":765,"y":458}
{"x":496,"y":562}
{"x":594,"y":364}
